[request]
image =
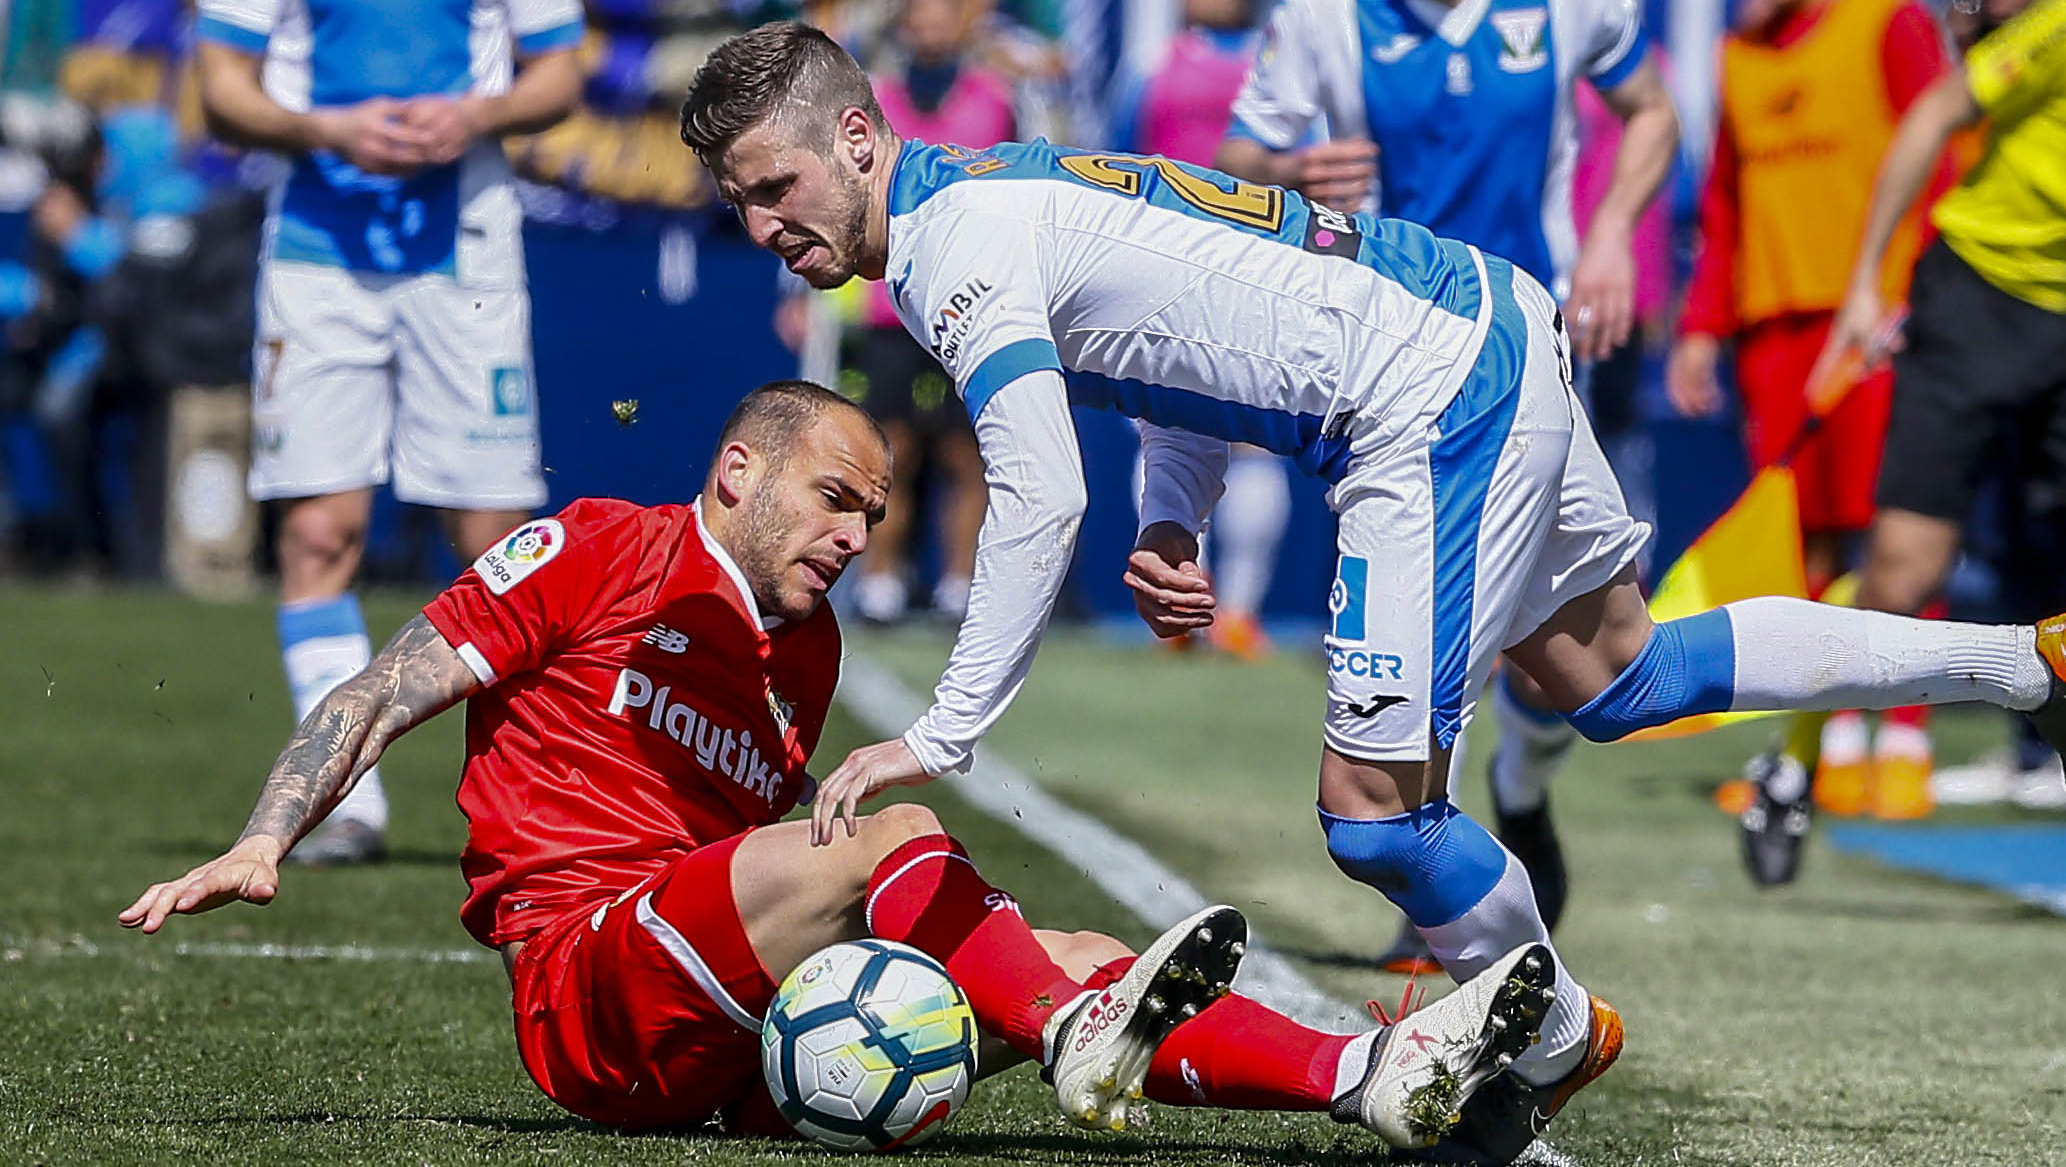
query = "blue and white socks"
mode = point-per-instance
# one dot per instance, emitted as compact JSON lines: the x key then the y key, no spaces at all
{"x":1793,"y":654}
{"x":1780,"y":653}
{"x":322,"y":644}
{"x":1470,"y":900}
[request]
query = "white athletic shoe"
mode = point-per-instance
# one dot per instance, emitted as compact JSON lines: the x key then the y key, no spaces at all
{"x":1424,"y":1067}
{"x":1100,"y":1045}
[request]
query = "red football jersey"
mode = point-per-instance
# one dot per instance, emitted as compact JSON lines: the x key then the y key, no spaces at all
{"x":634,"y":707}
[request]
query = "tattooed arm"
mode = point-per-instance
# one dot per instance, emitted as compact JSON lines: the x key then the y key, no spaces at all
{"x":416,"y":677}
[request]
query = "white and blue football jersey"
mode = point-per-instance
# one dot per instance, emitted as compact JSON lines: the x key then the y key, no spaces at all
{"x":322,"y":53}
{"x":1470,"y":107}
{"x":1200,"y":302}
{"x":1214,"y":310}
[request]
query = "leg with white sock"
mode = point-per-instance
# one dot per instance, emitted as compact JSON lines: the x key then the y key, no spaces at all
{"x":1247,"y":527}
{"x":1534,"y":740}
{"x":323,"y":642}
{"x":1614,"y":671}
{"x":1466,"y":894}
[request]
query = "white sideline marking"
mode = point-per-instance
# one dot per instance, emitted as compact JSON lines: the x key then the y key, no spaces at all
{"x":14,"y":948}
{"x":1122,"y":867}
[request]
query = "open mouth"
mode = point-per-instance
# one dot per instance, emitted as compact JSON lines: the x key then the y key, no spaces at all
{"x":825,"y":574}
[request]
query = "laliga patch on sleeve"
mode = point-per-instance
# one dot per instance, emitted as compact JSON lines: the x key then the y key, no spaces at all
{"x":520,"y":553}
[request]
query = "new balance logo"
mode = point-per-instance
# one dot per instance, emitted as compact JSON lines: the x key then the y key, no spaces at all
{"x":666,"y":639}
{"x":1376,"y":705}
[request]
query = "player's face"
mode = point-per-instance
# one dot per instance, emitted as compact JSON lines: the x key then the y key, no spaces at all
{"x":808,"y":518}
{"x":809,"y":208}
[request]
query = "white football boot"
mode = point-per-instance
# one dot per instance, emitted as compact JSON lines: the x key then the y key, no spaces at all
{"x":1099,"y":1045}
{"x":1426,"y":1065}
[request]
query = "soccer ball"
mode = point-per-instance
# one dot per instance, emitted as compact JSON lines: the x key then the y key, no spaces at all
{"x":868,"y":1046}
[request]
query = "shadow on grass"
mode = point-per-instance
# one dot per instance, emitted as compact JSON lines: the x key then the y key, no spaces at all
{"x":1919,"y":911}
{"x":1347,"y":1150}
{"x":509,"y":1125}
{"x":202,"y":850}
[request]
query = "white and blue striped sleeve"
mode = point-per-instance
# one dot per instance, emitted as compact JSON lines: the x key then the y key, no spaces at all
{"x":1280,"y":99}
{"x":1616,"y":42}
{"x":544,"y":26}
{"x":973,"y":291}
{"x":974,"y":295}
{"x":244,"y":25}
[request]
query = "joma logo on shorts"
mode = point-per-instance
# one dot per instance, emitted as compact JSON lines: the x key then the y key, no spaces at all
{"x":718,"y":750}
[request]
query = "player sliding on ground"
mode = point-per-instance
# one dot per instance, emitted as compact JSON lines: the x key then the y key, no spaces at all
{"x":1425,"y":380}
{"x":645,"y":686}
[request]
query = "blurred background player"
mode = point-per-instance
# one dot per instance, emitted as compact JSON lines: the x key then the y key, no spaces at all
{"x":393,"y":337}
{"x":1180,"y":109}
{"x":934,"y":90}
{"x":1977,"y":376}
{"x":1472,"y":133}
{"x":1811,"y":93}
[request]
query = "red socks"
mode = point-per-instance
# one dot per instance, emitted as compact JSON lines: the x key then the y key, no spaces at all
{"x":1240,"y":1055}
{"x":1236,"y":1054}
{"x":928,"y":894}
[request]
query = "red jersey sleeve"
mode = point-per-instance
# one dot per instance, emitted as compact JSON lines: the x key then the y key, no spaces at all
{"x":540,"y":588}
{"x":1911,"y":55}
{"x":1711,"y":295}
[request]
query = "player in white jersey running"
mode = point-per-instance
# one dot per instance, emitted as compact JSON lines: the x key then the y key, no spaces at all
{"x":1425,"y":380}
{"x":394,"y":327}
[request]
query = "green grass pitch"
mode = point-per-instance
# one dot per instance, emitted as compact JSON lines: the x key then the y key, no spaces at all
{"x":1861,"y":1017}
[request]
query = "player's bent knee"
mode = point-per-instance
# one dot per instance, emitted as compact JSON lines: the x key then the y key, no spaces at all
{"x":905,"y":821}
{"x":1686,"y":667}
{"x":1434,"y":862}
{"x":1079,"y":954}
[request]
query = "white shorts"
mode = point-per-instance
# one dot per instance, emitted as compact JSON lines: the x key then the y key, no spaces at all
{"x":1463,"y":535}
{"x":362,"y":378}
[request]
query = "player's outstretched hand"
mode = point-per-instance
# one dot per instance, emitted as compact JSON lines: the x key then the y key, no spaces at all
{"x":1601,"y":310}
{"x":1170,"y":591}
{"x":1860,"y":337}
{"x":1689,"y":375}
{"x":866,"y":773}
{"x":249,"y":871}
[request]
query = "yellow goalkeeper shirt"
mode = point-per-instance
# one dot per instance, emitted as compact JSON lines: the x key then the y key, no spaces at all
{"x":2008,"y":218}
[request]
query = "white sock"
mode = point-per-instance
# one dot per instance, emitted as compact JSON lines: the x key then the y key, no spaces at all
{"x":323,"y":643}
{"x":1354,"y":1064}
{"x":1532,"y":746}
{"x":950,"y":595}
{"x":1794,"y":654}
{"x":882,"y":595}
{"x":1845,"y":739}
{"x":1501,"y":922}
{"x":1247,"y":526}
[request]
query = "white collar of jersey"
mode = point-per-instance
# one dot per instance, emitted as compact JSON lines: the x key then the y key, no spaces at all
{"x":1454,"y":25}
{"x":725,"y":560}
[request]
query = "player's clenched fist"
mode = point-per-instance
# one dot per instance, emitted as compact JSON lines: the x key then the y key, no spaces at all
{"x":1170,"y":591}
{"x":249,"y":871}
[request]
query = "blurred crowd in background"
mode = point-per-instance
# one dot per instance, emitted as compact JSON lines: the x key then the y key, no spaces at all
{"x":129,"y":241}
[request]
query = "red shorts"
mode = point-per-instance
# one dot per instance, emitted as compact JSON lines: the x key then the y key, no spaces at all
{"x":644,"y":1010}
{"x":1838,"y":469}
